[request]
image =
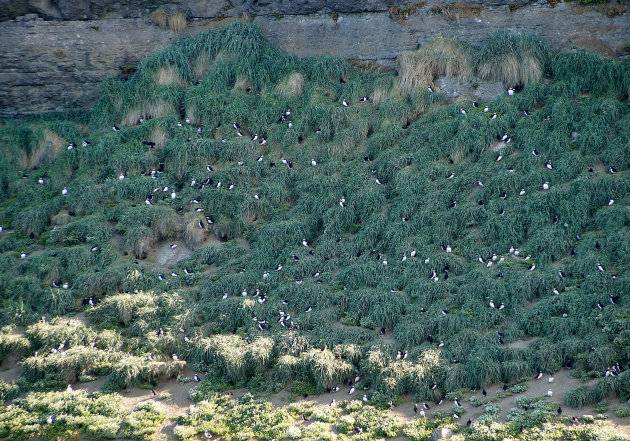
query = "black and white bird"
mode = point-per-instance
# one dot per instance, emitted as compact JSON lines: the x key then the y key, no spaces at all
{"x":344,"y":103}
{"x":510,"y":92}
{"x":535,"y":152}
{"x":462,"y":111}
{"x":115,"y":128}
{"x":548,"y":165}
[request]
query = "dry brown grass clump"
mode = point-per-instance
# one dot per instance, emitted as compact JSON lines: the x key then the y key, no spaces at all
{"x":442,"y":57}
{"x":155,"y":109}
{"x":193,"y":234}
{"x":47,"y":150}
{"x":159,"y":18}
{"x":511,"y":70}
{"x":384,"y":92}
{"x":159,"y":137}
{"x":457,"y":10}
{"x":514,"y":59}
{"x":369,"y":66}
{"x":201,"y":66}
{"x":293,"y":85}
{"x":177,"y":22}
{"x":402,"y":13}
{"x":168,"y":76}
{"x":61,"y":218}
{"x":242,"y":84}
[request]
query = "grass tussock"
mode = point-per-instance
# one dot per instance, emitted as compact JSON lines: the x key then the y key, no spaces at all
{"x":168,"y":76}
{"x":177,"y":22}
{"x":514,"y":59}
{"x":293,"y":85}
{"x":159,"y":17}
{"x":156,"y":109}
{"x":442,"y":57}
{"x":47,"y":151}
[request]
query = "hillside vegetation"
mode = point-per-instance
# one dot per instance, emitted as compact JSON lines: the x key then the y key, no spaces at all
{"x":343,"y":223}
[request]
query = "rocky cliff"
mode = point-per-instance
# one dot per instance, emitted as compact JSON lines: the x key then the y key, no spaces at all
{"x":54,"y":54}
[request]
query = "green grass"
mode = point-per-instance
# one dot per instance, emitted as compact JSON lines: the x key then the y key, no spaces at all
{"x":100,"y":238}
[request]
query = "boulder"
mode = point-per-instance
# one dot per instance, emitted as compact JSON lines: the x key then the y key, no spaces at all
{"x":442,"y":433}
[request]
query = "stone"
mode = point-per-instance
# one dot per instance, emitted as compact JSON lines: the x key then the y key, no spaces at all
{"x":46,"y":8}
{"x":442,"y":433}
{"x":10,"y":9}
{"x":484,"y":91}
{"x":170,"y":257}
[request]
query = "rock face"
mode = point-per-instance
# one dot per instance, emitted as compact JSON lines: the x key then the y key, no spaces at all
{"x":54,"y":54}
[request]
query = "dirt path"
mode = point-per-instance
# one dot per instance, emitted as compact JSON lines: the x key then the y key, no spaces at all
{"x":10,"y":370}
{"x":179,"y":403}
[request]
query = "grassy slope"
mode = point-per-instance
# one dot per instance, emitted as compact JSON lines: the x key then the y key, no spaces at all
{"x":411,"y":142}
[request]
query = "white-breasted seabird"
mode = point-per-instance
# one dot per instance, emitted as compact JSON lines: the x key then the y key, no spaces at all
{"x":548,"y":165}
{"x":510,"y":91}
{"x":344,"y":103}
{"x":545,"y":186}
